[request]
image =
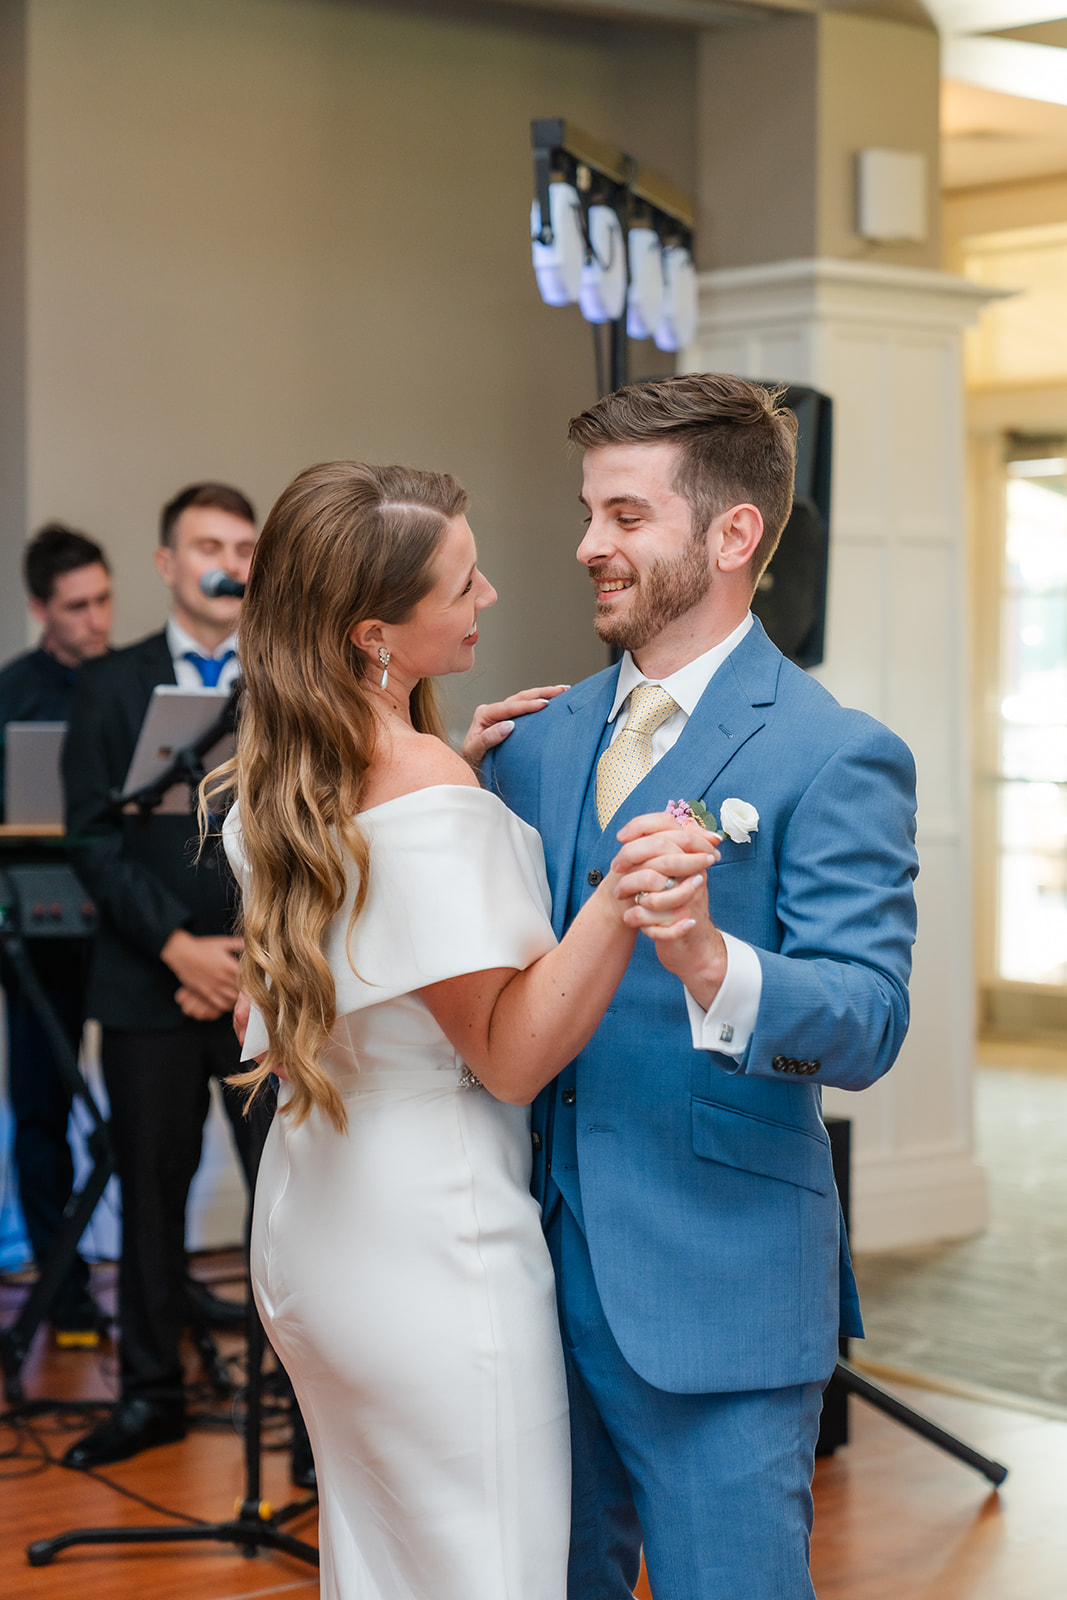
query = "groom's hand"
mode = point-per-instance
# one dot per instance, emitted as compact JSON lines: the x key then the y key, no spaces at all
{"x":656,"y":849}
{"x":492,"y":724}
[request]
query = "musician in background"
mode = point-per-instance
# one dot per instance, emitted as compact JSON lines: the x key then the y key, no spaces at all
{"x":69,"y":587}
{"x":163,"y":981}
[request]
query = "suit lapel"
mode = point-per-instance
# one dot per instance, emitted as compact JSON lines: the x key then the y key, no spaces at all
{"x":566,"y":763}
{"x":150,"y":664}
{"x":725,"y":717}
{"x":156,"y":663}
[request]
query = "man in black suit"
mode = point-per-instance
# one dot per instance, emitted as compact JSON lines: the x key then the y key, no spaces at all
{"x":163,"y":981}
{"x":69,"y":587}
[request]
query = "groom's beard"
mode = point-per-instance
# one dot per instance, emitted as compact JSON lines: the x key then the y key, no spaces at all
{"x":667,"y":591}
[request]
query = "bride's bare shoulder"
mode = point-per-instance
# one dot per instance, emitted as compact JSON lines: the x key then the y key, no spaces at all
{"x":414,"y":761}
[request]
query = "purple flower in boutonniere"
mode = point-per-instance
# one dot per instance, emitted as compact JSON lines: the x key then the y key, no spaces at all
{"x":738,"y":820}
{"x":693,"y":814}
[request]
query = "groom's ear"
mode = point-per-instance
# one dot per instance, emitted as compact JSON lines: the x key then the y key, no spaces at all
{"x":735,"y":536}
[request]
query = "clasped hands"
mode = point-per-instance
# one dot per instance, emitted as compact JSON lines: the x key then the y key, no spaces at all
{"x":207,"y":972}
{"x":654,"y":850}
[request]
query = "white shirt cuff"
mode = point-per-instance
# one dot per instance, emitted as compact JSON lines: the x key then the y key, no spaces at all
{"x":727,"y":1025}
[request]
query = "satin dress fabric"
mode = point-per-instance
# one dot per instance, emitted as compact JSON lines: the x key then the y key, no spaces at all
{"x":399,"y":1267}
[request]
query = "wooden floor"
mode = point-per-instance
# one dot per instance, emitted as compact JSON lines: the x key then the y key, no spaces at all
{"x":895,"y":1519}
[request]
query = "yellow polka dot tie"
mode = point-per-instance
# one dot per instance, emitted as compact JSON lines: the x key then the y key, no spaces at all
{"x":629,"y":757}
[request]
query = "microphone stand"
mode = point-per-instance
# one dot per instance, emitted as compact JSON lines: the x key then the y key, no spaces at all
{"x":256,"y":1525}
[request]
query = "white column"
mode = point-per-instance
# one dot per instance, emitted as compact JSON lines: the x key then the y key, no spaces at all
{"x":885,"y":343}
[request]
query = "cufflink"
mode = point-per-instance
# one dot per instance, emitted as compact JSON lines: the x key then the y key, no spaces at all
{"x":726,"y":1033}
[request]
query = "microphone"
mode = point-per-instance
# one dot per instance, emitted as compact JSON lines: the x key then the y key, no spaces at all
{"x":219,"y":585}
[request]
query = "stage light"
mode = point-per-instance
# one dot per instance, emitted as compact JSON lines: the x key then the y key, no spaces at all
{"x":678,"y":315}
{"x":645,"y":298}
{"x":603,"y":290}
{"x":600,"y":222}
{"x":559,"y":251}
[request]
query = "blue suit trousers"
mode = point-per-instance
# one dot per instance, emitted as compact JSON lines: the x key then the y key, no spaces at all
{"x":717,"y":1487}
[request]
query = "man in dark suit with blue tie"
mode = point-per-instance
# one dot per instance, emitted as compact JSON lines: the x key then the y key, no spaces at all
{"x":681,"y":1160}
{"x":163,"y":980}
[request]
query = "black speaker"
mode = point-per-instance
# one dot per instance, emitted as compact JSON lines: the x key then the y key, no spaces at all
{"x":791,"y":598}
{"x":833,"y":1427}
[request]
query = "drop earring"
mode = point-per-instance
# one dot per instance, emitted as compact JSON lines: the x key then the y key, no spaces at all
{"x":383,"y":657}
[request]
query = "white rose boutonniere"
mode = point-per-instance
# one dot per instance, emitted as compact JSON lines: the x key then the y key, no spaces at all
{"x":738,"y":820}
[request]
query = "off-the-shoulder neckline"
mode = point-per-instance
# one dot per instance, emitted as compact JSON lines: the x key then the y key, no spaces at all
{"x":430,"y":788}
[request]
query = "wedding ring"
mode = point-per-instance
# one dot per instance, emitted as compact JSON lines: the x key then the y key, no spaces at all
{"x":669,"y":884}
{"x":639,"y":896}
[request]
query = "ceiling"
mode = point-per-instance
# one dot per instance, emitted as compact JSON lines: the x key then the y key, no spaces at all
{"x":1003,"y":65}
{"x":1004,"y":90}
{"x":988,"y":137}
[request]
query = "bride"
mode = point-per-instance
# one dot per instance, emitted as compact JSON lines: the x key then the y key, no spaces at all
{"x":405,"y":979}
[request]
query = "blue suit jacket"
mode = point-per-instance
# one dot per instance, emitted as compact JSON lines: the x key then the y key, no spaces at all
{"x":708,"y":1196}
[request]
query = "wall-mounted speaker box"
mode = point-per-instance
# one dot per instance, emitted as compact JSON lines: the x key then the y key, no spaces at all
{"x":891,"y":196}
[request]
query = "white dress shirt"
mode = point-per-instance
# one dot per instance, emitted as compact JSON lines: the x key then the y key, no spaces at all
{"x":187,"y":673}
{"x":727,"y":1024}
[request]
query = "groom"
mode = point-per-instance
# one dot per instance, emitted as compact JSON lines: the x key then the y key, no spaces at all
{"x":681,"y":1161}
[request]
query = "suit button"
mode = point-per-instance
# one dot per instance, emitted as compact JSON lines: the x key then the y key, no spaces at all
{"x":535,"y":1139}
{"x":568,"y":1097}
{"x":779,"y":1064}
{"x":594,"y":877}
{"x":813,"y":1066}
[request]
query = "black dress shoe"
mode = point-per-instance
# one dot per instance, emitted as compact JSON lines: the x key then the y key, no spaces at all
{"x":211,"y":1309}
{"x":133,"y":1426}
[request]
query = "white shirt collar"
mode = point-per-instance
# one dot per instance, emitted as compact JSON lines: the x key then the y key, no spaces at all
{"x":179,"y":641}
{"x":686,"y":685}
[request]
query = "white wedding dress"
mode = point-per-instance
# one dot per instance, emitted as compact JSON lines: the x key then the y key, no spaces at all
{"x":400,"y":1267}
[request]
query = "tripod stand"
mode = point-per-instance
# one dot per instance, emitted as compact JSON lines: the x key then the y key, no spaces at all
{"x":255,"y":1527}
{"x":846,"y":1381}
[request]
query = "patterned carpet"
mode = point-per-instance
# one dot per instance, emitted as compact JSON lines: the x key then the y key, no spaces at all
{"x":990,"y":1311}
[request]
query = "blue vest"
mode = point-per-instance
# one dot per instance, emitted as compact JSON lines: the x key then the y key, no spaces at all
{"x":596,"y":847}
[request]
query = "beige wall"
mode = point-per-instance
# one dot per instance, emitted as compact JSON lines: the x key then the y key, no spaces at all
{"x":12,"y":308}
{"x":267,"y":232}
{"x":784,"y":107}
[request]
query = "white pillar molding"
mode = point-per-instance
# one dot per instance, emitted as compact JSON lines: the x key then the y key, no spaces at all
{"x":885,"y":343}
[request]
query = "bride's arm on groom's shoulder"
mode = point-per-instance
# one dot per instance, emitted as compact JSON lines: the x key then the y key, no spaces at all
{"x":491,"y":724}
{"x":516,"y":1030}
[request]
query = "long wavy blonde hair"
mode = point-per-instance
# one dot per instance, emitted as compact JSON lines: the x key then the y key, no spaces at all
{"x":344,"y":543}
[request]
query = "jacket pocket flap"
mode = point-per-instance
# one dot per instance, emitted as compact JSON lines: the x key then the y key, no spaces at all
{"x":758,"y":1145}
{"x":731,"y":853}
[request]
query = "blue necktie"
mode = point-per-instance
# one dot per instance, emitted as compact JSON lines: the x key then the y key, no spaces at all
{"x":209,"y":667}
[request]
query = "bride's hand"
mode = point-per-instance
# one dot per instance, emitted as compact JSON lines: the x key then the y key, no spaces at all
{"x":655,"y":847}
{"x":660,"y":875}
{"x":677,"y":919}
{"x":491,"y":724}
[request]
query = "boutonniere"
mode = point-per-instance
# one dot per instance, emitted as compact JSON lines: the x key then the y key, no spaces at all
{"x":738,"y":820}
